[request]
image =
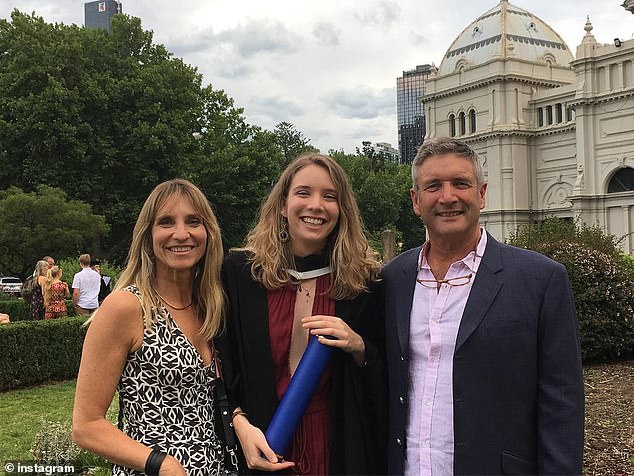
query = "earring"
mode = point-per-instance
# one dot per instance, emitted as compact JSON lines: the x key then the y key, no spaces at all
{"x":284,"y":236}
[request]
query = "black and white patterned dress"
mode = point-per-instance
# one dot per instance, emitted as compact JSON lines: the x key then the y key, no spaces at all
{"x":167,"y":399}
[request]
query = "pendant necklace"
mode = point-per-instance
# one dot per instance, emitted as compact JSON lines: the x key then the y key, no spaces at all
{"x":306,"y":275}
{"x":172,"y":306}
{"x":306,"y":290}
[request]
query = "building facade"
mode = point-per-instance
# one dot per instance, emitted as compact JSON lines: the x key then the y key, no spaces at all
{"x":410,"y":88}
{"x":98,"y":14}
{"x":555,"y":131}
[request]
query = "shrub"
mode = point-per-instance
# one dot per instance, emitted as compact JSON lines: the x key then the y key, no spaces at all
{"x":601,"y":282}
{"x":53,"y":444}
{"x":19,"y":310}
{"x":34,"y":352}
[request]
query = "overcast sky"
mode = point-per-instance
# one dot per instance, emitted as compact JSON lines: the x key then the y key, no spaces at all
{"x":327,"y":66}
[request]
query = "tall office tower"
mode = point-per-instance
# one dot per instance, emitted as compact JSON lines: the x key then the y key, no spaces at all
{"x":411,"y":111}
{"x":98,"y":14}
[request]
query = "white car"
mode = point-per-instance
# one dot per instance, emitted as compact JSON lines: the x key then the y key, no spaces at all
{"x":11,"y":285}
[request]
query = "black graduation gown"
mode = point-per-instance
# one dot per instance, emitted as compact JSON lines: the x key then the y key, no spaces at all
{"x":359,"y":395}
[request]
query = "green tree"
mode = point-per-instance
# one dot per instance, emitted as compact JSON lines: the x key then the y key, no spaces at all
{"x":104,"y":116}
{"x":239,"y":165}
{"x":382,"y":191}
{"x":291,"y":141}
{"x":44,"y":222}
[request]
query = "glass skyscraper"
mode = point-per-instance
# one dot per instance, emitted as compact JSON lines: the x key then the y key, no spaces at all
{"x":411,"y":111}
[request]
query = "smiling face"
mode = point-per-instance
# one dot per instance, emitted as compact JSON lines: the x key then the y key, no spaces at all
{"x":179,"y":236}
{"x":448,"y":198}
{"x":312,"y":210}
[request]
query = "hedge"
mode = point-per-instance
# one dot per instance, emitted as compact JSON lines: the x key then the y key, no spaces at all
{"x":18,"y":309}
{"x":35,"y":352}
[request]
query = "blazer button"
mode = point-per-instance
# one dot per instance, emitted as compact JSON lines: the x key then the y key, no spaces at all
{"x":403,"y":358}
{"x":399,"y":442}
{"x":402,"y":400}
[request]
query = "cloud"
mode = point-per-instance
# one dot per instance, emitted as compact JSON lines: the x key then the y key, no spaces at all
{"x":383,"y":13}
{"x":260,"y":36}
{"x":277,"y":107}
{"x":326,"y":34}
{"x":361,"y":102}
{"x":245,"y":41}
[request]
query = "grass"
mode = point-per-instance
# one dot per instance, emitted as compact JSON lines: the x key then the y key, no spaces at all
{"x":23,"y":411}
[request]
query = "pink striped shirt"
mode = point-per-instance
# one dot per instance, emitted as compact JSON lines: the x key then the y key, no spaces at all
{"x":434,"y":323}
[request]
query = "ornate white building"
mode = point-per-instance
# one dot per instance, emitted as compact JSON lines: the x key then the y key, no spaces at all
{"x":555,"y":131}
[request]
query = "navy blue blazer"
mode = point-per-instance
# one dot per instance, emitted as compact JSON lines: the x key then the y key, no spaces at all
{"x":517,"y":376}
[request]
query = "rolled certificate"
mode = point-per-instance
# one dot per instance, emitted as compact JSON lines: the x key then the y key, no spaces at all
{"x":298,"y":393}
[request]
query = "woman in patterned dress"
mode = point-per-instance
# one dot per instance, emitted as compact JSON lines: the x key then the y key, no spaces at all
{"x":307,"y":269}
{"x":150,"y":340}
{"x":55,"y":293}
{"x":37,"y":300}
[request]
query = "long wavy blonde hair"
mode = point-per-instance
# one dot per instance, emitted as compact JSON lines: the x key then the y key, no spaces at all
{"x":140,"y":270}
{"x":352,"y":260}
{"x":54,"y":272}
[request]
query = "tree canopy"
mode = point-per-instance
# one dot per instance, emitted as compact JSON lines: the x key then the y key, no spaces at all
{"x":44,"y":222}
{"x":107,"y":116}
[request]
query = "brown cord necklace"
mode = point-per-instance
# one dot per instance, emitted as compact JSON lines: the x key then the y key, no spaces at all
{"x":172,"y":306}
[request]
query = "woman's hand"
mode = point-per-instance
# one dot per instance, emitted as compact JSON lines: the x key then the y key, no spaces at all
{"x":333,"y":331}
{"x":257,"y":451}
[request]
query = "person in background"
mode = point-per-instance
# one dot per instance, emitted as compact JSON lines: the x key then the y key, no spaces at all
{"x":4,"y":318}
{"x":151,"y":341}
{"x":307,"y":269}
{"x":37,"y":308}
{"x":55,"y":294}
{"x":482,"y":339}
{"x":86,"y":285}
{"x":49,"y":260}
{"x":104,"y":288}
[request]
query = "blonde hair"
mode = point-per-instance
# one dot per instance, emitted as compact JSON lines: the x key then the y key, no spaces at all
{"x":51,"y":274}
{"x":141,"y":271}
{"x":41,"y":268}
{"x":352,"y":260}
{"x":84,"y":259}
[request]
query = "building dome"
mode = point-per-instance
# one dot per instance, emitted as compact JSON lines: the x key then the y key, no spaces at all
{"x":505,"y":31}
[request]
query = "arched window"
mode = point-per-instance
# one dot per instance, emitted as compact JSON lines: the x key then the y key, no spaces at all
{"x":622,"y":181}
{"x":559,"y":117}
{"x":463,"y":123}
{"x":452,"y":125}
{"x":472,"y":121}
{"x":549,"y":115}
{"x":540,"y":116}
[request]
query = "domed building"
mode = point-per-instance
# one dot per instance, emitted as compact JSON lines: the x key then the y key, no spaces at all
{"x":555,"y":131}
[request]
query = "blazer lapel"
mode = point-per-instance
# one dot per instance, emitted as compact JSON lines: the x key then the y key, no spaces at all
{"x":483,"y":292}
{"x":404,"y":284}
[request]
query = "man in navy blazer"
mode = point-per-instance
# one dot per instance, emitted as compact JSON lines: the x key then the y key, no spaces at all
{"x":482,"y":339}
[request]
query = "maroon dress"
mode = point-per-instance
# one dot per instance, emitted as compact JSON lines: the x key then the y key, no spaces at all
{"x":309,"y":448}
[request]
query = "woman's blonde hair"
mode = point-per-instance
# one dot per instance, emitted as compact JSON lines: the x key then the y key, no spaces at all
{"x":352,"y":260}
{"x":52,"y":273}
{"x":41,"y":268}
{"x":140,"y":270}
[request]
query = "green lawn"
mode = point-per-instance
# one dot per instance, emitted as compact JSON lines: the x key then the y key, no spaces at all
{"x":23,"y":411}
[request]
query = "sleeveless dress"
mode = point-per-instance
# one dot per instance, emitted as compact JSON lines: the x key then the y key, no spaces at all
{"x":167,"y":399}
{"x":57,"y":306}
{"x":37,"y":304}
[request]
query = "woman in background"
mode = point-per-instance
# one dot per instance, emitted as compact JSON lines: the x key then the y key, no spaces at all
{"x":37,"y":308}
{"x":55,"y":294}
{"x":307,"y":269}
